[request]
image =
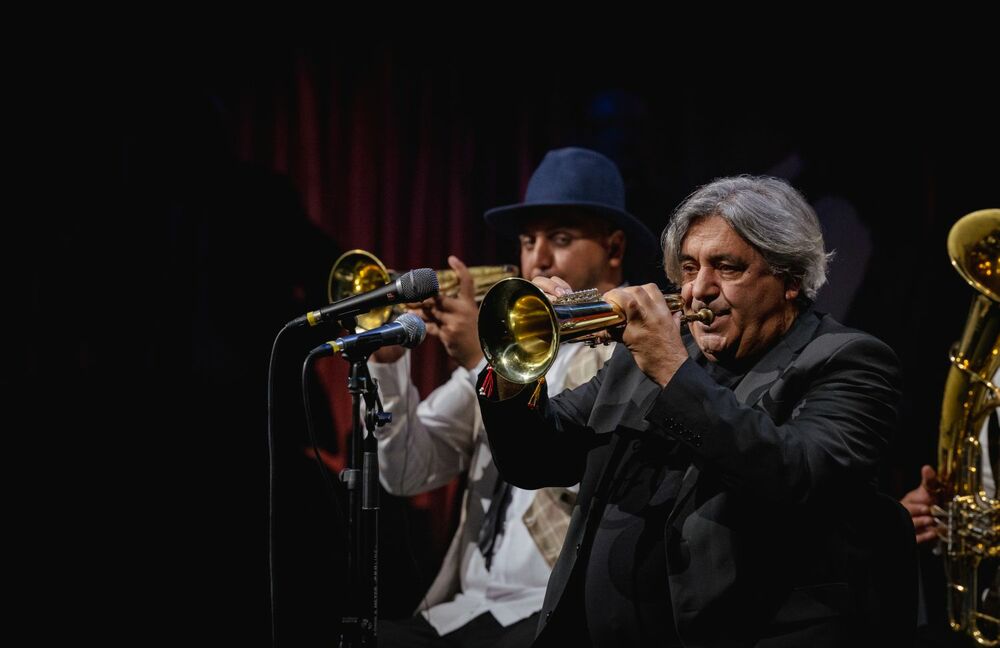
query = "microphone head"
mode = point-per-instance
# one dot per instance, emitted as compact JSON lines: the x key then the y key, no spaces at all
{"x":417,"y":285}
{"x":414,"y":329}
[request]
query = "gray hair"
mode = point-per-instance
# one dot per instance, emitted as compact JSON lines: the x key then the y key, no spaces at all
{"x":769,"y":214}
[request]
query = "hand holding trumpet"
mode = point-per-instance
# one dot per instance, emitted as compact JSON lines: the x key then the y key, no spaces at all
{"x":651,"y":332}
{"x":452,"y":319}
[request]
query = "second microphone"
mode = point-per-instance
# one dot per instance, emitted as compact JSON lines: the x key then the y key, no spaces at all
{"x":407,"y":330}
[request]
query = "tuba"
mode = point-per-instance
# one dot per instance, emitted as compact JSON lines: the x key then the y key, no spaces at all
{"x":968,"y":519}
{"x":357,"y":271}
{"x":520,"y":330}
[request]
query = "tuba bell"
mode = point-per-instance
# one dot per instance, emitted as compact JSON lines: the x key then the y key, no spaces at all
{"x":968,"y":518}
{"x":357,"y":271}
{"x":520,"y":331}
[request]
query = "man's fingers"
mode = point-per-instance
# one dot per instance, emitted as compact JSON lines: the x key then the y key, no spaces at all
{"x":562,"y":283}
{"x":445,"y":309}
{"x":446,"y":319}
{"x":917,"y":497}
{"x":928,"y":477}
{"x":652,"y":291}
{"x":428,"y":311}
{"x":607,"y":335}
{"x":926,"y":536}
{"x":916,"y":509}
{"x":637,"y":302}
{"x":620,"y":298}
{"x":553,"y":287}
{"x":466,"y":284}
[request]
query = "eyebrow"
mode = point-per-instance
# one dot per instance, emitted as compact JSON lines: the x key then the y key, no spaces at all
{"x":555,"y":230}
{"x":716,"y":258}
{"x":728,"y":258}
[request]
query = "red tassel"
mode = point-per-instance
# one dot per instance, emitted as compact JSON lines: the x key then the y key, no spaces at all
{"x":487,"y":388}
{"x":533,"y":401}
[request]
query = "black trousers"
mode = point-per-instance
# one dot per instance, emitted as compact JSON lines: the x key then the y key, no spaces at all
{"x":481,"y":632}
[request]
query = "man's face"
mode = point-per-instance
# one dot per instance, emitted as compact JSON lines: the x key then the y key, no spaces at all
{"x":577,"y":247}
{"x":724,"y":273}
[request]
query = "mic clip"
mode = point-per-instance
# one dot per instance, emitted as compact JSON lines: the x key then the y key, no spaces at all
{"x":377,"y":418}
{"x":349,"y":323}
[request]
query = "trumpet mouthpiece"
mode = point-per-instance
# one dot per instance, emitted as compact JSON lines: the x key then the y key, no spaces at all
{"x":704,"y":316}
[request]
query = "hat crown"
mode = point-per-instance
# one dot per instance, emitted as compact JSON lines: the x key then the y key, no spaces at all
{"x":576,"y":175}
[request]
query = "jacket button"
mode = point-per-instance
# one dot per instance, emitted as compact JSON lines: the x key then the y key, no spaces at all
{"x":578,"y":547}
{"x":548,"y":614}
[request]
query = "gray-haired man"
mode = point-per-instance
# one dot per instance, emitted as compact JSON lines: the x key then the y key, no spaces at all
{"x":727,"y":475}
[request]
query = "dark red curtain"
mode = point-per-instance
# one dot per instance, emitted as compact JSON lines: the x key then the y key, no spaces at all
{"x":397,"y":161}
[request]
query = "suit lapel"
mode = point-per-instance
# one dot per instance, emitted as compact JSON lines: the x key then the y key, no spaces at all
{"x":775,"y":362}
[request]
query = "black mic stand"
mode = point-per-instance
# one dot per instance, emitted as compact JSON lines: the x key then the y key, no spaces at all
{"x":358,"y":626}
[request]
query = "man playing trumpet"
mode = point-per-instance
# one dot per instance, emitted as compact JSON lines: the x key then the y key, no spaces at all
{"x":572,"y":224}
{"x":727,"y":473}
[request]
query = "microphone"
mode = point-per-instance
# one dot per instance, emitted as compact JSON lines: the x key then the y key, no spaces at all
{"x":408,"y":330}
{"x":415,"y":285}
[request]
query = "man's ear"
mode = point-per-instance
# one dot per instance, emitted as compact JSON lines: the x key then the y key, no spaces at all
{"x":792,"y":289}
{"x":616,"y":248}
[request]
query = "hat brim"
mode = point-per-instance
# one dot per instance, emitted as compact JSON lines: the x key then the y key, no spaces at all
{"x":642,"y":248}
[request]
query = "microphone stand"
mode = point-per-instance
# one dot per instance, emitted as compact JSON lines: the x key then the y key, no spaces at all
{"x":358,"y":626}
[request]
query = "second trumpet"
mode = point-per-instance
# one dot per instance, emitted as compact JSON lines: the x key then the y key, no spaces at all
{"x":359,"y":271}
{"x":520,"y":330}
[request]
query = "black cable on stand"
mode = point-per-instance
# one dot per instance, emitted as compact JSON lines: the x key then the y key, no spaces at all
{"x":271,"y":387}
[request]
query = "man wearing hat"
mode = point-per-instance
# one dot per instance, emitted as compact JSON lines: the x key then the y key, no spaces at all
{"x":490,"y":588}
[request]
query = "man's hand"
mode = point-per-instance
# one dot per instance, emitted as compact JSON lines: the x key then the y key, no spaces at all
{"x":455,"y":320}
{"x":919,"y":501}
{"x":553,"y":287}
{"x":388,"y":354}
{"x":652,"y":333}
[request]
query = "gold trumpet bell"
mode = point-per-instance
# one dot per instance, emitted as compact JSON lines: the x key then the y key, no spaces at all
{"x":359,"y":271}
{"x":356,"y":272}
{"x":518,"y":330}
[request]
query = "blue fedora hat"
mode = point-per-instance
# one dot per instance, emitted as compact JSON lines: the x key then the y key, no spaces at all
{"x":578,"y":177}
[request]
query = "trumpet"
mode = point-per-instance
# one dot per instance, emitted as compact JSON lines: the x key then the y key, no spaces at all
{"x":357,"y":271}
{"x":520,"y":330}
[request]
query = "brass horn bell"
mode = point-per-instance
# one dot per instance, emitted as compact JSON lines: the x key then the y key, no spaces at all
{"x":358,"y":271}
{"x":520,"y":330}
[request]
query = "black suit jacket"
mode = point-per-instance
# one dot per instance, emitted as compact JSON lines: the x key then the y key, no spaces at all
{"x":771,"y":541}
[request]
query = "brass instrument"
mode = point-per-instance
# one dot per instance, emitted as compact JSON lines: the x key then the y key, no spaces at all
{"x":968,"y":519}
{"x":358,"y":271}
{"x":520,"y":330}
